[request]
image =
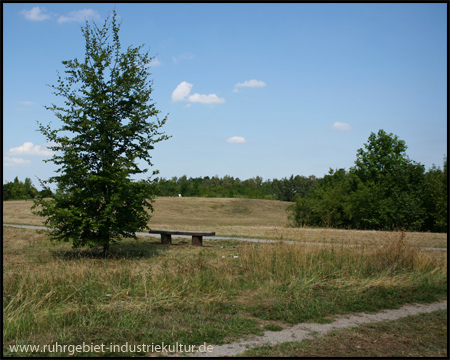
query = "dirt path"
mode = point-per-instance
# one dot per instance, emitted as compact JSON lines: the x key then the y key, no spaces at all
{"x":229,"y":238}
{"x":303,"y":331}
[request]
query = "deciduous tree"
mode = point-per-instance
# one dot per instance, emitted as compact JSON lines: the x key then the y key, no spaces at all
{"x":106,"y":130}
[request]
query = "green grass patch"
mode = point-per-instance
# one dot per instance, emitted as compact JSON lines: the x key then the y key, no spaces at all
{"x":400,"y":338}
{"x":273,"y":327}
{"x":318,"y":302}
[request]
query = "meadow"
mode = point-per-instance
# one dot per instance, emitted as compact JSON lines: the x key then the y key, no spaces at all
{"x":145,"y":292}
{"x":248,"y":218}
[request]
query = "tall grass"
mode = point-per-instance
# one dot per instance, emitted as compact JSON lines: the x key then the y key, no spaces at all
{"x":185,"y":293}
{"x":287,"y":262}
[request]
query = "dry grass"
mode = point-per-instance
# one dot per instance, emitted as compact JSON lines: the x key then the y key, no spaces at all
{"x":216,"y":213}
{"x":220,"y":291}
{"x":19,"y":212}
{"x":240,"y":218}
{"x":362,"y":237}
{"x":186,"y":213}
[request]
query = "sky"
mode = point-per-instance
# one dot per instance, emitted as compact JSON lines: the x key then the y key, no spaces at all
{"x":249,"y":90}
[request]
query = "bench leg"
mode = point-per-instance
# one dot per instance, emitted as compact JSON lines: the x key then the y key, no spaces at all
{"x":166,"y":239}
{"x":197,"y":240}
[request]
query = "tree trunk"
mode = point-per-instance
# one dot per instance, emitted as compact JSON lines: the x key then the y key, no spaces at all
{"x":105,"y":249}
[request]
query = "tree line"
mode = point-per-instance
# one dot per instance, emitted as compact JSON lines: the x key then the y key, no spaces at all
{"x":284,"y":189}
{"x":22,"y":190}
{"x":385,"y":190}
{"x":229,"y":187}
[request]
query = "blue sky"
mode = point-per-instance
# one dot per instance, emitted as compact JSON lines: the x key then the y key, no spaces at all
{"x":250,"y":90}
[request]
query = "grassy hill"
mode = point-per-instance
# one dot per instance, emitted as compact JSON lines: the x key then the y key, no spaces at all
{"x":251,"y":218}
{"x":193,"y":213}
{"x":188,"y":213}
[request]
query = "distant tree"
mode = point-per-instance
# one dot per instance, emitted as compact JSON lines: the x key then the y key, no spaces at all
{"x":18,"y":190}
{"x":436,"y":199}
{"x":105,"y":132}
{"x":7,"y":191}
{"x":46,"y":193}
{"x":30,"y":191}
{"x":383,"y":154}
{"x":326,"y":204}
{"x":384,"y":190}
{"x":287,"y":188}
{"x":391,"y":188}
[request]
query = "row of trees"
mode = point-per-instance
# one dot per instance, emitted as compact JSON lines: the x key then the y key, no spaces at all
{"x":18,"y":190}
{"x":228,"y":186}
{"x":385,"y":190}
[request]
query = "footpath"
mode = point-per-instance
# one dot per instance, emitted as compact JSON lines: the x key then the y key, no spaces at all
{"x":303,"y":331}
{"x":229,"y":238}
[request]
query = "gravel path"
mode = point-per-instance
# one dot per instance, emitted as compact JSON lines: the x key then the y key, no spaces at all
{"x":303,"y":331}
{"x":226,"y":238}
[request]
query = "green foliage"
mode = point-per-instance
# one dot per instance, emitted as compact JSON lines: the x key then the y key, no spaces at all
{"x":385,"y":190}
{"x":230,"y":187}
{"x":436,"y":181}
{"x":107,"y":104}
{"x":18,"y":190}
{"x":384,"y":154}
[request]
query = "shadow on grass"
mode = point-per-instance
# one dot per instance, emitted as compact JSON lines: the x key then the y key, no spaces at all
{"x":127,"y":249}
{"x":119,"y":250}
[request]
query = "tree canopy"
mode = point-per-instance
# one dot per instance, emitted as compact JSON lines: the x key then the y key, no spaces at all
{"x":105,"y":132}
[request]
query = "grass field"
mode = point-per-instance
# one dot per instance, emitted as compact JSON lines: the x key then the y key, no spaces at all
{"x":149,"y":293}
{"x":239,"y":218}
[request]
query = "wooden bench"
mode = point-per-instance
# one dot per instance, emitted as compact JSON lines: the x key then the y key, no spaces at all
{"x":197,"y":236}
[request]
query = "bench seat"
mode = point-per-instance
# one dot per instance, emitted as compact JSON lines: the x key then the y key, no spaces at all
{"x":197,"y":236}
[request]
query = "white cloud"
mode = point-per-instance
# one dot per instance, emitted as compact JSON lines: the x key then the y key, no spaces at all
{"x":237,"y":140}
{"x":249,"y":83}
{"x":35,"y":14}
{"x":79,"y":15}
{"x":7,"y":161}
{"x":185,"y":56}
{"x":26,"y":103}
{"x":155,"y":62}
{"x":341,"y":126}
{"x":182,"y":91}
{"x":206,"y":99}
{"x":29,"y":149}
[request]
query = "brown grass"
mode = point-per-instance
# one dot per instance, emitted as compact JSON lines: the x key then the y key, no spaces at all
{"x":239,"y":218}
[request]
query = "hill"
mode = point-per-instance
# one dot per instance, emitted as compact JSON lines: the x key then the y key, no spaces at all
{"x":189,"y":213}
